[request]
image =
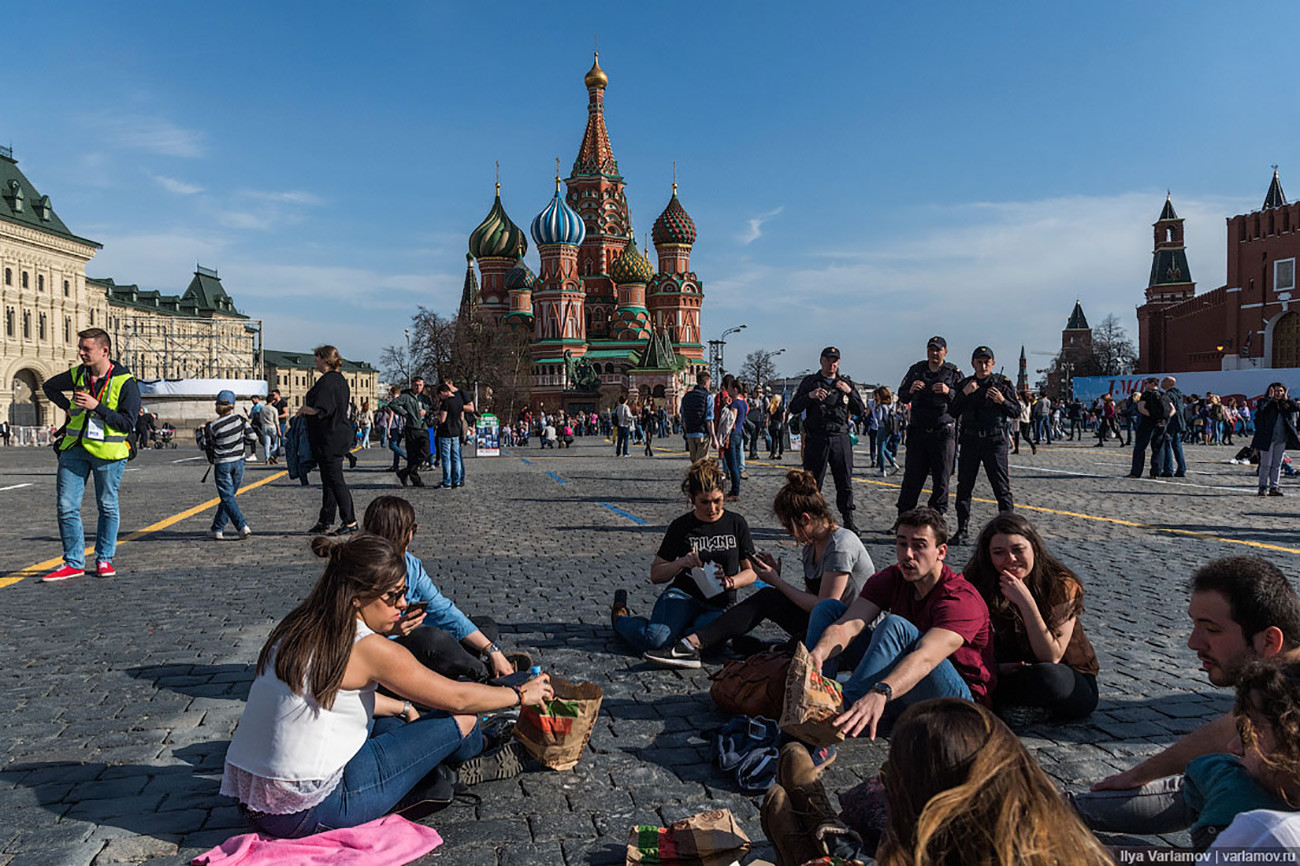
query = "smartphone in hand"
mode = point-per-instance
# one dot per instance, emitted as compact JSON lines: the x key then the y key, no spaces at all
{"x":414,"y":609}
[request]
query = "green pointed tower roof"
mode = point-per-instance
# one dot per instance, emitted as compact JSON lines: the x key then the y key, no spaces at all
{"x":207,"y":295}
{"x":1168,"y":212}
{"x":469,"y":292}
{"x":1275,"y":197}
{"x":497,"y":236}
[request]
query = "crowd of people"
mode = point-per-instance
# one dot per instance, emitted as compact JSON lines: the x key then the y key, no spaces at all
{"x":377,"y":693}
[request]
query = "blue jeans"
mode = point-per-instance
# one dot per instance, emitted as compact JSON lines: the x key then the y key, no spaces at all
{"x":735,"y":458}
{"x":1173,"y":452}
{"x":620,"y":443}
{"x":392,"y":762}
{"x":882,"y":648}
{"x":268,"y":444}
{"x":675,"y":614}
{"x":227,"y":477}
{"x":883,"y":452}
{"x":75,"y":465}
{"x":453,"y":468}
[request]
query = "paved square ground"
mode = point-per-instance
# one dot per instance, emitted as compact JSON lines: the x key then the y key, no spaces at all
{"x":118,"y":697}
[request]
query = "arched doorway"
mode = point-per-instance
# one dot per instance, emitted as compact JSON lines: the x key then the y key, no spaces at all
{"x":1286,"y":341}
{"x":24,"y":411}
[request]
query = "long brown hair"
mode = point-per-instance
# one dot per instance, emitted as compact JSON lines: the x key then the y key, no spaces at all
{"x":962,"y":789}
{"x":312,"y":644}
{"x":1050,"y":582}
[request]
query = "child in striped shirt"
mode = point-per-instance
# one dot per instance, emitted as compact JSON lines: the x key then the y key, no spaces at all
{"x":226,"y":439}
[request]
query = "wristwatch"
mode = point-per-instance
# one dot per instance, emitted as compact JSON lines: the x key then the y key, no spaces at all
{"x":406,"y":711}
{"x":488,"y":650}
{"x":885,"y":689}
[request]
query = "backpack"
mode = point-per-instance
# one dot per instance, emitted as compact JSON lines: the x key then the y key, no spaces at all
{"x":695,"y":410}
{"x":754,"y":686}
{"x":203,"y":437}
{"x":888,"y":423}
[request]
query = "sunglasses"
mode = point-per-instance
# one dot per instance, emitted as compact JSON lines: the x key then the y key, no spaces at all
{"x":392,"y":598}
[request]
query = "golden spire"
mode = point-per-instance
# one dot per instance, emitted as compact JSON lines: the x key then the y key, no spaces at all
{"x":596,"y":76}
{"x":498,"y":178}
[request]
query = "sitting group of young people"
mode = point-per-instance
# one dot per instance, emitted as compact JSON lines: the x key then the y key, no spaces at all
{"x":947,"y":654}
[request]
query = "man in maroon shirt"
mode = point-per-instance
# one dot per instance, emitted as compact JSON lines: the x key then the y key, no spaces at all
{"x":936,"y":641}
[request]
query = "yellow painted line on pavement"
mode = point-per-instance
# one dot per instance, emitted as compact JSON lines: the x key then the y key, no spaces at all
{"x":49,"y":564}
{"x":1135,"y":524}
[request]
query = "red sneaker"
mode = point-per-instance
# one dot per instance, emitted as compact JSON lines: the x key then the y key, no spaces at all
{"x":63,"y":572}
{"x":105,"y":569}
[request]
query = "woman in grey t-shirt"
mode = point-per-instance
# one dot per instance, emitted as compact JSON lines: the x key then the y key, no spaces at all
{"x":835,"y":566}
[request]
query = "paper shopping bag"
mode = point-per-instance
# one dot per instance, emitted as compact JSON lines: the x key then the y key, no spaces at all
{"x":708,"y":839}
{"x":811,"y":702}
{"x":556,"y":732}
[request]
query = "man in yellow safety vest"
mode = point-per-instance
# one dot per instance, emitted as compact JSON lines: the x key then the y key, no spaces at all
{"x":101,"y":416}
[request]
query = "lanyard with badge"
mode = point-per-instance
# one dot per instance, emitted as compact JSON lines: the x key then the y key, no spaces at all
{"x":94,"y":428}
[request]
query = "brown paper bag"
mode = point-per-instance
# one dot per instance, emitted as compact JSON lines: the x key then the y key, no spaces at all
{"x":708,"y":839}
{"x":557,"y":731}
{"x":811,"y":702}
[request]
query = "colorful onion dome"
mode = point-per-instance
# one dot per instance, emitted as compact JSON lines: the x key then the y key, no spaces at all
{"x":674,"y":225}
{"x":596,"y":76}
{"x":520,"y":277}
{"x":631,"y":267}
{"x":558,"y":223}
{"x":497,"y":236}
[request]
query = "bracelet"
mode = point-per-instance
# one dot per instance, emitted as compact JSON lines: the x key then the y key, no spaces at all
{"x":519,"y":693}
{"x":488,"y":650}
{"x":406,"y":711}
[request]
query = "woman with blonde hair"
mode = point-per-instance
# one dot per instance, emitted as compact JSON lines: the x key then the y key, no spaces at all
{"x":776,"y":427}
{"x":962,"y":789}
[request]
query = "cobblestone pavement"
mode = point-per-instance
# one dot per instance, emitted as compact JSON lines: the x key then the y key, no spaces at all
{"x":118,"y":697}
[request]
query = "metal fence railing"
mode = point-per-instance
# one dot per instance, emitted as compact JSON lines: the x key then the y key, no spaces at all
{"x":29,"y":435}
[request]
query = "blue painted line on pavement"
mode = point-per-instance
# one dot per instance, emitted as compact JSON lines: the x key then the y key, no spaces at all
{"x":526,"y":460}
{"x":557,"y":478}
{"x":620,"y":512}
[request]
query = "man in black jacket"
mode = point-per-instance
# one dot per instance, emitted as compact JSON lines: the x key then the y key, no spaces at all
{"x":1275,"y":431}
{"x":985,"y":403}
{"x":829,"y":399}
{"x":1153,"y":411}
{"x":929,"y":388}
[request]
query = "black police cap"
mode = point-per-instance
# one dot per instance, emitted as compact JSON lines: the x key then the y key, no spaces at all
{"x":982,"y":352}
{"x":830,"y":352}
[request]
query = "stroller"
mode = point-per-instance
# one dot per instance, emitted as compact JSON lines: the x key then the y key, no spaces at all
{"x":165,"y":438}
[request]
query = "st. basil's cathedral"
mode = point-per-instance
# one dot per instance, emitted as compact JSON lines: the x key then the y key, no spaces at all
{"x":604,"y":321}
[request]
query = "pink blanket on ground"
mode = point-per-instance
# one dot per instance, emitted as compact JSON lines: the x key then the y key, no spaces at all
{"x":390,"y":839}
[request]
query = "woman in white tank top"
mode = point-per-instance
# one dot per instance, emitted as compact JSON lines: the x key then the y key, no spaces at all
{"x":306,"y":756}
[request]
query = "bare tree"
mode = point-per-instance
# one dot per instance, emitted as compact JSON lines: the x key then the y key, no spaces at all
{"x":758,"y":368}
{"x":395,"y":364}
{"x":1112,"y":350}
{"x":474,"y":350}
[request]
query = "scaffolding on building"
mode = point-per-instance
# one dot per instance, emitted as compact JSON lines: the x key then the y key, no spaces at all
{"x":189,"y":347}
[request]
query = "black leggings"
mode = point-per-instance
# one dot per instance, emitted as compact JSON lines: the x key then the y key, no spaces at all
{"x":335,"y":495}
{"x":1066,"y":692}
{"x":766,"y":604}
{"x":439,"y":651}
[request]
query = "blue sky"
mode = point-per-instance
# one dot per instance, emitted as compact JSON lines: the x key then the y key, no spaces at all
{"x":861,"y":174}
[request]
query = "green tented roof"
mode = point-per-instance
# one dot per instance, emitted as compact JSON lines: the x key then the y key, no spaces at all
{"x":21,"y":203}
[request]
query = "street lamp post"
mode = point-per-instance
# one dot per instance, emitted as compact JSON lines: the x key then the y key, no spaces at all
{"x":406,"y":332}
{"x":769,"y":358}
{"x":716,"y":348}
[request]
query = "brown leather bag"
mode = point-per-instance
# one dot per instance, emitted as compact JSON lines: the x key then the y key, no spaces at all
{"x":752,"y":687}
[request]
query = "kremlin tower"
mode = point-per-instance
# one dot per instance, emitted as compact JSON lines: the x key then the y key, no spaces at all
{"x":597,"y":308}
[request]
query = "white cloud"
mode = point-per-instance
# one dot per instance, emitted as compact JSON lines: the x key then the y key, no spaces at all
{"x":1000,"y":273}
{"x":179,"y":187}
{"x":292,"y":196}
{"x":754,"y":231}
{"x":149,"y":133}
{"x":245,"y":220}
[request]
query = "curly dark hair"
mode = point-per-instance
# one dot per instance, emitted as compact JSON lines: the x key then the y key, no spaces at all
{"x":1270,"y":690}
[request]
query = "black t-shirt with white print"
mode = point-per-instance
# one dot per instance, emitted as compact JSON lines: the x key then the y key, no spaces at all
{"x":726,"y":542}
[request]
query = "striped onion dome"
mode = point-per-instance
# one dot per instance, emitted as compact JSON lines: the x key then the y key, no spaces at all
{"x":631,"y":267}
{"x":674,"y":225}
{"x":520,"y":277}
{"x":558,"y":223}
{"x":497,"y":236}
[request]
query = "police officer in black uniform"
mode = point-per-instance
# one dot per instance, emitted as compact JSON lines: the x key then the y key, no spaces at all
{"x":929,"y":388}
{"x":985,"y":403}
{"x":829,"y":399}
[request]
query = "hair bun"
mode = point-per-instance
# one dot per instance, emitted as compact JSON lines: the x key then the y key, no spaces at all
{"x":324,"y":546}
{"x":801,"y":481}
